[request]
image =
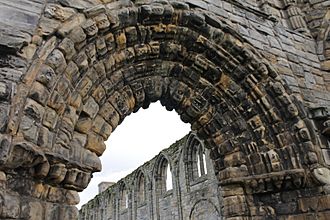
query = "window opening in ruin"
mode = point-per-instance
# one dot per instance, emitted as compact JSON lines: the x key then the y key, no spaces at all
{"x":169,"y":183}
{"x":163,"y":176}
{"x":141,"y":195}
{"x":204,"y":163}
{"x":199,"y":162}
{"x":195,"y":161}
{"x":126,"y":200}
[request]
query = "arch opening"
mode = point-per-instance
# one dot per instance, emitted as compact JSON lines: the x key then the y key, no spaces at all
{"x":139,"y":138}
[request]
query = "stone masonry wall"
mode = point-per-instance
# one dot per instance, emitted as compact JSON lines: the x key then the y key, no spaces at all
{"x":251,"y":77}
{"x":191,"y":198}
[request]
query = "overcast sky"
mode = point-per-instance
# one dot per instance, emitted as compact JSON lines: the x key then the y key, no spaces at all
{"x":139,"y":138}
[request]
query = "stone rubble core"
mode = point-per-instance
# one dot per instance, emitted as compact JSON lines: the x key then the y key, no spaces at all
{"x":251,"y":77}
{"x":141,"y":195}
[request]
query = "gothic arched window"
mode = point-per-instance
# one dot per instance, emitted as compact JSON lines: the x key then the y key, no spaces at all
{"x":141,"y":188}
{"x":195,"y":158}
{"x":163,"y":176}
{"x":123,"y":203}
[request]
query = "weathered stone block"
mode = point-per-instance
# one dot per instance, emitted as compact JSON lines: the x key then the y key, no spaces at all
{"x":84,"y":124}
{"x":57,"y":173}
{"x":80,"y":5}
{"x":72,"y":26}
{"x":76,"y":146}
{"x":56,"y":61}
{"x":84,"y":86}
{"x":4,"y":117}
{"x":90,"y":28}
{"x":90,"y":51}
{"x":235,"y":205}
{"x":99,"y":94}
{"x":48,"y":27}
{"x":67,"y":47}
{"x":95,"y":143}
{"x":51,"y":211}
{"x":41,"y":170}
{"x":72,"y":199}
{"x":101,"y":47}
{"x":102,"y":21}
{"x":98,"y":124}
{"x":109,"y":113}
{"x":50,"y":118}
{"x":44,"y":138}
{"x":5,"y":91}
{"x":57,"y":102}
{"x":70,"y":116}
{"x":29,"y":129}
{"x":110,"y":42}
{"x":71,"y":176}
{"x":286,"y":208}
{"x":63,"y":87}
{"x":120,"y":104}
{"x":33,"y":210}
{"x":121,"y":40}
{"x":91,"y":160}
{"x":234,"y":159}
{"x":233,"y":172}
{"x":46,"y":76}
{"x":55,"y":195}
{"x":34,"y":110}
{"x":4,"y":148}
{"x":77,"y":35}
{"x":81,"y":60}
{"x":68,"y":212}
{"x":39,"y":93}
{"x":79,"y":140}
{"x":90,"y":107}
{"x":10,"y":206}
{"x":58,"y":12}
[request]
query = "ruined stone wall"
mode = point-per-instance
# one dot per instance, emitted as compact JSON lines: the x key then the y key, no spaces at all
{"x":251,"y":77}
{"x":192,"y":197}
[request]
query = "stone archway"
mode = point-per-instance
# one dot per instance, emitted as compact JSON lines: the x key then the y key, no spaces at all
{"x":108,"y":62}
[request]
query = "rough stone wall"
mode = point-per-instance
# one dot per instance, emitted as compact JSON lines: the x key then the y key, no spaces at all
{"x":191,"y":198}
{"x":252,"y":78}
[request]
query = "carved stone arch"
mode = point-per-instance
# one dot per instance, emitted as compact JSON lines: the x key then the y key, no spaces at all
{"x":204,"y":209}
{"x":90,"y":76}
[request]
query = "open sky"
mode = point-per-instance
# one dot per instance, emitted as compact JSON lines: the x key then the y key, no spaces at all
{"x":139,"y":138}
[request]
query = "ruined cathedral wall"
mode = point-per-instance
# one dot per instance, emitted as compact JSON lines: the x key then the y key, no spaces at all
{"x":194,"y":194}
